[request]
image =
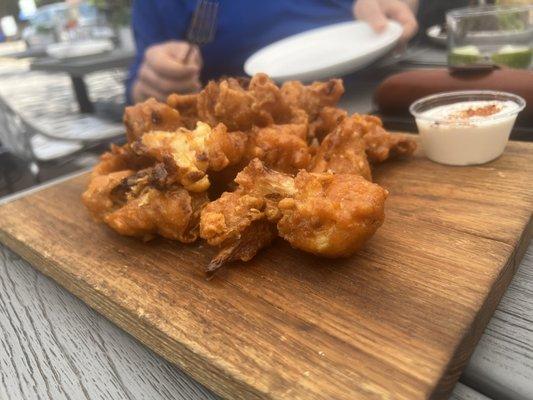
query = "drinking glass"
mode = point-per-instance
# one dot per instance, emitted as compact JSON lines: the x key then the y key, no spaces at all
{"x":490,"y":35}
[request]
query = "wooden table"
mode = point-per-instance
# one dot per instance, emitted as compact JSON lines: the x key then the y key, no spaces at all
{"x":54,"y":346}
{"x":78,"y":67}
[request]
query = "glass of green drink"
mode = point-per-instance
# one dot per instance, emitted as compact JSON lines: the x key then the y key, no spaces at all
{"x":490,"y":35}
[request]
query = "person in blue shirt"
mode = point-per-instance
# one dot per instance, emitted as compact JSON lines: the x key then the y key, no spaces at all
{"x":244,"y":26}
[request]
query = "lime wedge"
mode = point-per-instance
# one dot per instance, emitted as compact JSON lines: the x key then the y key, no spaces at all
{"x":514,"y":56}
{"x":464,"y":55}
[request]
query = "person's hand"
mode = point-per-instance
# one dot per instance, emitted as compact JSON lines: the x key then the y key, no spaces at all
{"x":376,"y":13}
{"x":164,"y":70}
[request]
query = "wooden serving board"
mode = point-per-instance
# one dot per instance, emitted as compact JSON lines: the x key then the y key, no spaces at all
{"x":397,"y":321}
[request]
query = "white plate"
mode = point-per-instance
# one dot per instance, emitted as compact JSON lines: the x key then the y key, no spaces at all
{"x":325,"y":52}
{"x":79,"y":48}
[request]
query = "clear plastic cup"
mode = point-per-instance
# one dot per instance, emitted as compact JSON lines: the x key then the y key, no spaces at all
{"x":467,"y":127}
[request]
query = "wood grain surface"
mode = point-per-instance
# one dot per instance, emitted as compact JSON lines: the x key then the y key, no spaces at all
{"x":397,"y":321}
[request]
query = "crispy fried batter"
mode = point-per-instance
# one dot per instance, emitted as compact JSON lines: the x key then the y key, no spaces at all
{"x":326,"y":122}
{"x":380,"y":144}
{"x":323,"y":213}
{"x":331,"y":215}
{"x":172,"y":213}
{"x":280,"y":147}
{"x":142,"y":204}
{"x":240,"y":109}
{"x":259,"y":190}
{"x":259,"y":180}
{"x":327,"y":214}
{"x":257,"y":235}
{"x":148,"y":116}
{"x":314,"y":97}
{"x":187,"y":106}
{"x":224,"y":219}
{"x":242,"y":222}
{"x":343,"y":151}
{"x":120,"y":158}
{"x":97,"y":198}
{"x":304,"y":170}
{"x":189,"y":154}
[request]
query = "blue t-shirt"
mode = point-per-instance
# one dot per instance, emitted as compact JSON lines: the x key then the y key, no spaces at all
{"x":244,"y":26}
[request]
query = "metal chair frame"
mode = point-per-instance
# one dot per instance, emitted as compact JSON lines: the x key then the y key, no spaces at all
{"x":15,"y":136}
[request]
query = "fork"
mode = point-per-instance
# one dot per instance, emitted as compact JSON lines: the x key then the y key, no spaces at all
{"x":203,"y":25}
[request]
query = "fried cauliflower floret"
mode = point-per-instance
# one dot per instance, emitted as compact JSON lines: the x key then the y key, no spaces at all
{"x":120,"y":158}
{"x":279,"y":147}
{"x":236,"y":223}
{"x":261,"y":181}
{"x":149,"y":116}
{"x":172,"y":213}
{"x":240,"y":108}
{"x":187,"y":106}
{"x":343,"y":151}
{"x":227,"y":217}
{"x":190,"y":154}
{"x":257,"y":235}
{"x":242,"y":222}
{"x":259,"y":190}
{"x":326,"y":122}
{"x":331,"y":215}
{"x":275,"y":161}
{"x":233,"y":106}
{"x":314,"y":97}
{"x":97,"y":197}
{"x":380,"y":144}
{"x":327,"y":214}
{"x":142,"y":204}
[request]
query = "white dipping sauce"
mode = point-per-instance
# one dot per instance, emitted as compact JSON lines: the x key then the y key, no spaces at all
{"x":467,"y":133}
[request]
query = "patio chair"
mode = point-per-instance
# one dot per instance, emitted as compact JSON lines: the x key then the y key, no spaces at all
{"x":25,"y":141}
{"x":6,"y":180}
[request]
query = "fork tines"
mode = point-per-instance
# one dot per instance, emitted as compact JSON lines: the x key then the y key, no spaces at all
{"x":204,"y":21}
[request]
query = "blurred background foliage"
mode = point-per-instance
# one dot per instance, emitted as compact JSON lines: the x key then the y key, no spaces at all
{"x":118,"y":12}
